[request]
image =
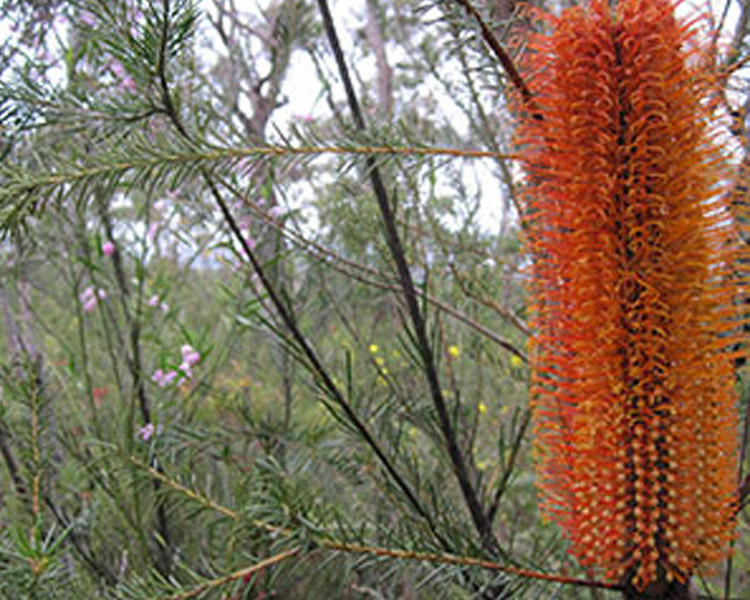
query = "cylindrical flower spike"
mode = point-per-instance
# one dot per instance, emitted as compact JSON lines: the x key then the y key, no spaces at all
{"x":633,"y":293}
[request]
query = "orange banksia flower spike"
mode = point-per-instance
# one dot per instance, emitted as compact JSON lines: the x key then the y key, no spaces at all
{"x":633,"y":293}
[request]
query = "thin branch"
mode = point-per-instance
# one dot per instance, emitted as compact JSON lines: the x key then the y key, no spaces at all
{"x":502,"y":56}
{"x":316,"y":366}
{"x":349,"y":548}
{"x":479,"y":518}
{"x":367,"y":275}
{"x":314,"y":363}
{"x":241,"y":574}
{"x":16,"y":183}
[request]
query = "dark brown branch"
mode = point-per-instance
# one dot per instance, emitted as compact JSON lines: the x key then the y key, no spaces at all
{"x":316,"y":366}
{"x":469,"y":493}
{"x":502,"y":56}
{"x":289,"y":321}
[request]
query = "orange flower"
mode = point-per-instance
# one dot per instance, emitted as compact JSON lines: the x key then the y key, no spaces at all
{"x":632,"y":293}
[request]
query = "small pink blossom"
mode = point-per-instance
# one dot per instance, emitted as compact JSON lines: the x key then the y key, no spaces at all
{"x":153,"y":301}
{"x":190,"y":356}
{"x":88,"y":18}
{"x":146,"y":432}
{"x":127,"y":84}
{"x":275,"y":211}
{"x":186,"y":371}
{"x":161,"y":205}
{"x":164,"y":307}
{"x":163,"y":379}
{"x":251,"y":243}
{"x":118,"y":69}
{"x":108,"y":248}
{"x":91,"y":297}
{"x":152,"y":229}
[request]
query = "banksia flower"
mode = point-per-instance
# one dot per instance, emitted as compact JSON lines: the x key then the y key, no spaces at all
{"x":632,"y":292}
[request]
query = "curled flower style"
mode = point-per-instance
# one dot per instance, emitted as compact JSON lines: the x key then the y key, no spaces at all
{"x":633,"y":293}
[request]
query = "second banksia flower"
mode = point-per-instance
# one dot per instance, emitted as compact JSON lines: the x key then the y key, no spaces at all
{"x":633,"y":296}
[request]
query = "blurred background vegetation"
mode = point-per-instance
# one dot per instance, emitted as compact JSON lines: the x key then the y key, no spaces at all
{"x":240,"y":373}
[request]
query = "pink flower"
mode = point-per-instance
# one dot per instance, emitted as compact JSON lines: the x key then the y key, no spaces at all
{"x":152,"y":229}
{"x":108,"y":248}
{"x":186,"y":371}
{"x":88,"y":18}
{"x":164,"y":307}
{"x":118,"y":69}
{"x":275,"y":211}
{"x":169,"y":378}
{"x":163,"y":379}
{"x":153,"y":301}
{"x":146,"y":432}
{"x":90,"y":299}
{"x":101,"y":293}
{"x":190,"y":356}
{"x":127,"y":84}
{"x":251,"y":243}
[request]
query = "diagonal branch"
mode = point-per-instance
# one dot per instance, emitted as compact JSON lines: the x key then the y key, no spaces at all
{"x":323,"y":540}
{"x":460,"y":468}
{"x":289,"y":320}
{"x":502,"y":56}
{"x":241,"y":574}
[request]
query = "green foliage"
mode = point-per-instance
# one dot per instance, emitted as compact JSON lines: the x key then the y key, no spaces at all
{"x":155,"y":196}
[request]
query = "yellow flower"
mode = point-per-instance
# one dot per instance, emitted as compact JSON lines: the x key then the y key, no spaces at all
{"x":379,"y":360}
{"x":515,"y":362}
{"x":413,"y":431}
{"x":373,"y":348}
{"x":454,"y":351}
{"x":482,"y":407}
{"x":481,"y":465}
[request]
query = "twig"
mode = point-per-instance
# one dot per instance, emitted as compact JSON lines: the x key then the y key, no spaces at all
{"x":315,"y":365}
{"x":331,"y":258}
{"x":497,"y":49}
{"x":479,"y":518}
{"x":349,"y":548}
{"x":242,"y":573}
